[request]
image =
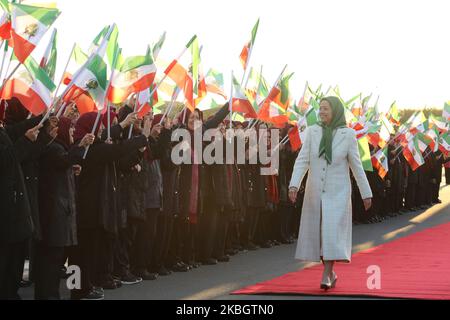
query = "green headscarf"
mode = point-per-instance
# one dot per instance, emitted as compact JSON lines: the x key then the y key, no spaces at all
{"x":338,"y":121}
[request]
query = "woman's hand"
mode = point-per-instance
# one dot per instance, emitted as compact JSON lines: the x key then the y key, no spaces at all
{"x":293,"y":191}
{"x":33,"y":133}
{"x":87,"y":140}
{"x":367,"y":203}
{"x":129,"y":120}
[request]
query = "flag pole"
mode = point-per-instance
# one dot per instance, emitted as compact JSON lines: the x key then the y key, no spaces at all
{"x":10,"y":75}
{"x":246,"y":64}
{"x":169,"y":68}
{"x":61,"y":109}
{"x":97,"y":119}
{"x":52,"y":105}
{"x":257,"y":90}
{"x":231,"y":101}
{"x":5,"y":52}
{"x":89,"y":60}
{"x":135,"y":107}
{"x":108,"y":104}
{"x":172,"y":103}
{"x":108,"y":124}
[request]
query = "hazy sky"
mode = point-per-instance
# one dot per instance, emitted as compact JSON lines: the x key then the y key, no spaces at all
{"x":397,"y":49}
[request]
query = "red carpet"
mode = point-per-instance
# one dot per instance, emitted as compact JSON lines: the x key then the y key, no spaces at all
{"x":413,"y":267}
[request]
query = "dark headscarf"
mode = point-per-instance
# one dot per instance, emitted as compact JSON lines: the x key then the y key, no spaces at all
{"x":84,"y":125}
{"x":112,"y":116}
{"x":338,"y":121}
{"x":124,"y":112}
{"x":15,"y":111}
{"x":64,"y":125}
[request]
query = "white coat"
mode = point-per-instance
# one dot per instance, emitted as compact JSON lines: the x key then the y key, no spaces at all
{"x":328,"y":188}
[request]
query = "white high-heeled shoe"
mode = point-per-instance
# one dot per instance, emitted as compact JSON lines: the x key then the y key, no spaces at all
{"x":326,"y":285}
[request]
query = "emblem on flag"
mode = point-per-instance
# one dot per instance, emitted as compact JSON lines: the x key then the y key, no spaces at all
{"x":92,"y":84}
{"x":132,"y":74}
{"x":31,"y":30}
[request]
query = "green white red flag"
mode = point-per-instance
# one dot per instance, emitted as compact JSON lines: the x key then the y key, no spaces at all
{"x":28,"y":26}
{"x":380,"y":162}
{"x":248,"y":47}
{"x":136,"y":74}
{"x":412,"y":154}
{"x":32,"y":86}
{"x":5,"y":21}
{"x":88,"y":85}
{"x":446,"y":112}
{"x":444,"y":143}
{"x":182,"y":77}
{"x":240,"y":102}
{"x":48,"y":61}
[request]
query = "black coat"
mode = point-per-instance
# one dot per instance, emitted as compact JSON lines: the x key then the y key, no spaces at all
{"x":57,"y":210}
{"x":132,"y":187}
{"x":254,"y":186}
{"x":169,"y":175}
{"x":94,"y":178}
{"x":185,"y":175}
{"x":157,"y":149}
{"x":30,"y":169}
{"x":15,"y":214}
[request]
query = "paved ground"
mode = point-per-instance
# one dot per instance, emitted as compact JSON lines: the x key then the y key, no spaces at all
{"x":216,"y":282}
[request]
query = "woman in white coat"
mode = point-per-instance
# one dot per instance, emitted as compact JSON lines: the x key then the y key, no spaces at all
{"x":329,"y":150}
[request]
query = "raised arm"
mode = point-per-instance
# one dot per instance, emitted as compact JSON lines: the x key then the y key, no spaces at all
{"x":218,"y":117}
{"x":354,"y":161}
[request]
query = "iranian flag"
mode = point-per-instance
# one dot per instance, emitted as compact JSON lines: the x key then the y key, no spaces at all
{"x":312,"y":115}
{"x":48,"y":61}
{"x":240,"y":102}
{"x":440,"y":123}
{"x":32,"y":86}
{"x":446,"y":112}
{"x":88,"y":86}
{"x":136,"y":74}
{"x":256,"y":89}
{"x":423,"y":141}
{"x":295,"y":139}
{"x":77,"y":60}
{"x":28,"y":26}
{"x":385,"y":131}
{"x":393,"y":115}
{"x":182,"y":77}
{"x":418,"y":123}
{"x":364,"y":154}
{"x":444,"y":143}
{"x":214,"y":82}
{"x":433,"y":135}
{"x":158,"y":45}
{"x":248,"y":47}
{"x":413,"y":155}
{"x":5,"y":22}
{"x":271,"y":112}
{"x":380,"y":162}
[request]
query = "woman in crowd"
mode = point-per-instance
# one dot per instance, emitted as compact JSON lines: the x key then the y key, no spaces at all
{"x":56,"y":205}
{"x":91,"y":226}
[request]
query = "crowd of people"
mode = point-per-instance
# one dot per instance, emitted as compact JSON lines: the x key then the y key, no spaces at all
{"x":113,"y":202}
